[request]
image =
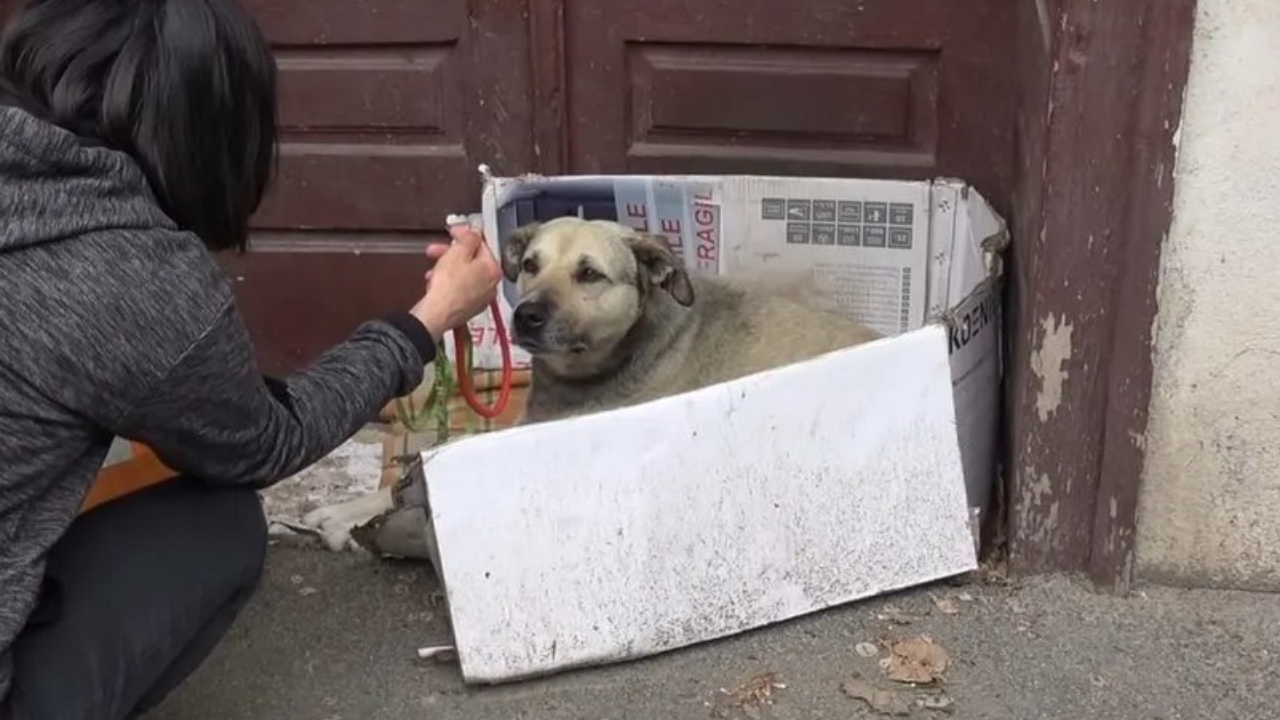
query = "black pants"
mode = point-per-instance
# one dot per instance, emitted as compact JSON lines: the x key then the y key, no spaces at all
{"x":139,"y":591}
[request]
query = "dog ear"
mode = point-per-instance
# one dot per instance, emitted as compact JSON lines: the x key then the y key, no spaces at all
{"x":513,"y":249}
{"x":661,"y":266}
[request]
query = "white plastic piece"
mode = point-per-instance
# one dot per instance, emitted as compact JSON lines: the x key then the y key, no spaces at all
{"x":438,"y":653}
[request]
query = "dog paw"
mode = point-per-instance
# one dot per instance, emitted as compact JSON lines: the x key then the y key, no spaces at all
{"x":334,"y":523}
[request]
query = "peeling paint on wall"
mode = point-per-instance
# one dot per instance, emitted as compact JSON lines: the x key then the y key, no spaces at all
{"x":1049,"y":361}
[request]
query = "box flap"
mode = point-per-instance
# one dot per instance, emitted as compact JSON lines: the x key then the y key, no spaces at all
{"x":635,"y":531}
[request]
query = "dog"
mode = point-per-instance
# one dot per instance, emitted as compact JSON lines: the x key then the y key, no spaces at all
{"x":611,"y":318}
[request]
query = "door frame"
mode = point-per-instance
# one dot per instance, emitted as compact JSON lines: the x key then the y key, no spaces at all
{"x":1101,"y":101}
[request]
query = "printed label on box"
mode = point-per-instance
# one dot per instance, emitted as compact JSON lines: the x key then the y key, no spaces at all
{"x":865,"y":244}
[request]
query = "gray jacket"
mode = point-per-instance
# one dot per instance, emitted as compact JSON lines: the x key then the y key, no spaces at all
{"x":113,"y":322}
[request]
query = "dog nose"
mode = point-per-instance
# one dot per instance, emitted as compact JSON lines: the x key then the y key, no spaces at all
{"x":531,"y":315}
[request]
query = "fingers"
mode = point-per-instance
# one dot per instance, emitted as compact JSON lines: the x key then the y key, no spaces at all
{"x":436,"y":250}
{"x":464,"y":246}
{"x":468,"y":249}
{"x":466,"y":239}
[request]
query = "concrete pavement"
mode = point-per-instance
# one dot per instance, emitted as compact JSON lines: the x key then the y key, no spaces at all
{"x":332,"y":637}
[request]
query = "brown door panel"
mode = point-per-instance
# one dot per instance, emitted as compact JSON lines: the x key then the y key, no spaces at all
{"x":878,"y":88}
{"x":386,"y":109}
{"x":388,"y":106}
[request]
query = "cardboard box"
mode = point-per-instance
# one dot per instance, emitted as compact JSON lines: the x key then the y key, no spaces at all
{"x":645,"y":529}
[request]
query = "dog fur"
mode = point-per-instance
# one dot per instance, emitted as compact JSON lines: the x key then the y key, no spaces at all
{"x":612,"y":319}
{"x":639,"y":327}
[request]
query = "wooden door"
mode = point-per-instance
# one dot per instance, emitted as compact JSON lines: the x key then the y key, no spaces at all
{"x":387,"y":107}
{"x":872,"y":88}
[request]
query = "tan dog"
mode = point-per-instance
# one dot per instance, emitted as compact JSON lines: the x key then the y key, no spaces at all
{"x":611,"y":319}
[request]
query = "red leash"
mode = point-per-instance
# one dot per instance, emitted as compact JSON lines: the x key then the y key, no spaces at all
{"x":462,"y":344}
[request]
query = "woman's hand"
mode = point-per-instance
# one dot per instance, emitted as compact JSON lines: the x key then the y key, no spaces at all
{"x":461,"y":285}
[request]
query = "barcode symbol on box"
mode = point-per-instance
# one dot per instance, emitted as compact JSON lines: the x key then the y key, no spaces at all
{"x":874,"y":236}
{"x":877,"y":213}
{"x":824,"y":211}
{"x":797,"y":233}
{"x":900,"y":238}
{"x":905,"y":318}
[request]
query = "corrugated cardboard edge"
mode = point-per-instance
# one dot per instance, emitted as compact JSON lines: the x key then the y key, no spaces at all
{"x":993,"y":246}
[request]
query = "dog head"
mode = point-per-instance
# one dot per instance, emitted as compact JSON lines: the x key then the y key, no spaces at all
{"x":583,"y":284}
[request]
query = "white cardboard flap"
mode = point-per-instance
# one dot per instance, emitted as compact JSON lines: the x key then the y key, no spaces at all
{"x":631,"y":532}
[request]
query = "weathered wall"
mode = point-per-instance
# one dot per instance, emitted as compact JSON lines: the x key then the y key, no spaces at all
{"x":1210,"y":504}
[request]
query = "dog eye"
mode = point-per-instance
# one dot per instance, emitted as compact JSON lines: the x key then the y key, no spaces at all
{"x":587,"y":274}
{"x":530,"y":266}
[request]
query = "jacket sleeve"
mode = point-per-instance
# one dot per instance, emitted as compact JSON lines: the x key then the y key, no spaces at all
{"x":214,"y":417}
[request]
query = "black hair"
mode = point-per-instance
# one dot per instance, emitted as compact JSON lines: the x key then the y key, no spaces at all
{"x":186,"y":87}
